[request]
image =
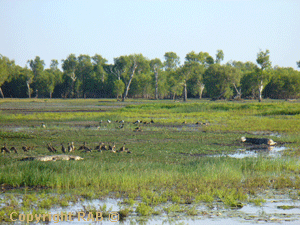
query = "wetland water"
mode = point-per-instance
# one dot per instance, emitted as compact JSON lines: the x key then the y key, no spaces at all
{"x":270,"y":212}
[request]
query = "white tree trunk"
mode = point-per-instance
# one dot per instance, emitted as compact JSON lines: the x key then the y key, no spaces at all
{"x":261,"y":87}
{"x":201,"y":91}
{"x":156,"y":84}
{"x":185,"y":92}
{"x":1,"y":92}
{"x":129,"y":82}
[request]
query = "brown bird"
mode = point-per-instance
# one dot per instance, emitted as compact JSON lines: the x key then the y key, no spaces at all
{"x":73,"y":146}
{"x":99,"y":147}
{"x":63,"y":149}
{"x":103,"y":147}
{"x":4,"y":149}
{"x":112,"y":148}
{"x":14,"y":149}
{"x":25,"y":148}
{"x":69,"y":147}
{"x":51,"y":148}
{"x":123,"y":149}
{"x":82,"y":146}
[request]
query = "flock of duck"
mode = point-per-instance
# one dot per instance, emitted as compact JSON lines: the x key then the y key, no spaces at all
{"x":71,"y":148}
{"x":101,"y":147}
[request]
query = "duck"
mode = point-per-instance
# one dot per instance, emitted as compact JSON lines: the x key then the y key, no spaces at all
{"x":151,"y":121}
{"x":25,"y":148}
{"x":108,"y":121}
{"x":43,"y":125}
{"x":103,"y":147}
{"x":49,"y":147}
{"x":112,"y":148}
{"x":137,"y":122}
{"x":123,"y":149}
{"x":73,"y":146}
{"x":98,"y":147}
{"x":138,"y":129}
{"x":13,"y":149}
{"x":4,"y":149}
{"x":63,"y":149}
{"x":83,"y":146}
{"x":69,"y":147}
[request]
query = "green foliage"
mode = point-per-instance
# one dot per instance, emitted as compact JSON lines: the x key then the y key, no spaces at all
{"x":219,"y":80}
{"x":285,"y":83}
{"x":119,"y":87}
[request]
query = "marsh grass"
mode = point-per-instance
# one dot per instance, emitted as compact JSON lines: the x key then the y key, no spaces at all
{"x":167,"y":163}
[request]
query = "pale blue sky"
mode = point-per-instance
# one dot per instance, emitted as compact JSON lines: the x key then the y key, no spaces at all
{"x":53,"y":29}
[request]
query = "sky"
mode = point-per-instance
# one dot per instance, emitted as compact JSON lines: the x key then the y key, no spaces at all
{"x":53,"y":29}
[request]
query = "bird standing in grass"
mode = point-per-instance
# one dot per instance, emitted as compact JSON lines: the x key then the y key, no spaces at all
{"x":25,"y":148}
{"x":51,"y":148}
{"x":112,"y":148}
{"x":4,"y":149}
{"x":103,"y":146}
{"x":13,"y":149}
{"x":63,"y":149}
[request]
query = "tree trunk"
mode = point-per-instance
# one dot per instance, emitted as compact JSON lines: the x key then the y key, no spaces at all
{"x":238,"y":92}
{"x":129,"y":82}
{"x":28,"y":87}
{"x":185,"y":92}
{"x":201,"y":91}
{"x":1,"y":92}
{"x":156,"y":85}
{"x":261,"y":86}
{"x":50,"y":94}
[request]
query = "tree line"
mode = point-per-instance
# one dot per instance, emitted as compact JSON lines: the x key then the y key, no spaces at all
{"x":136,"y":76}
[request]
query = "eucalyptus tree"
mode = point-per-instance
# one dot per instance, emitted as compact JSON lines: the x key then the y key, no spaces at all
{"x":220,"y":80}
{"x":84,"y":73}
{"x":284,"y":83}
{"x":247,"y":85}
{"x":263,"y":59}
{"x":4,"y":71}
{"x":53,"y":77}
{"x":219,"y":56}
{"x":127,"y":66}
{"x":156,"y":67}
{"x":16,"y":85}
{"x":99,"y":63}
{"x":69,"y":66}
{"x":202,"y":57}
{"x":195,"y":66}
{"x":171,"y":65}
{"x":99,"y":75}
{"x":119,"y":88}
{"x":37,"y":67}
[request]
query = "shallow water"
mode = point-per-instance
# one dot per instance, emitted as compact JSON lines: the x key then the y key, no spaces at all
{"x":268,"y":213}
{"x":255,"y":151}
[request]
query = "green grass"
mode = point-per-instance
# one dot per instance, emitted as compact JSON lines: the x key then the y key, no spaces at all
{"x":168,"y":161}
